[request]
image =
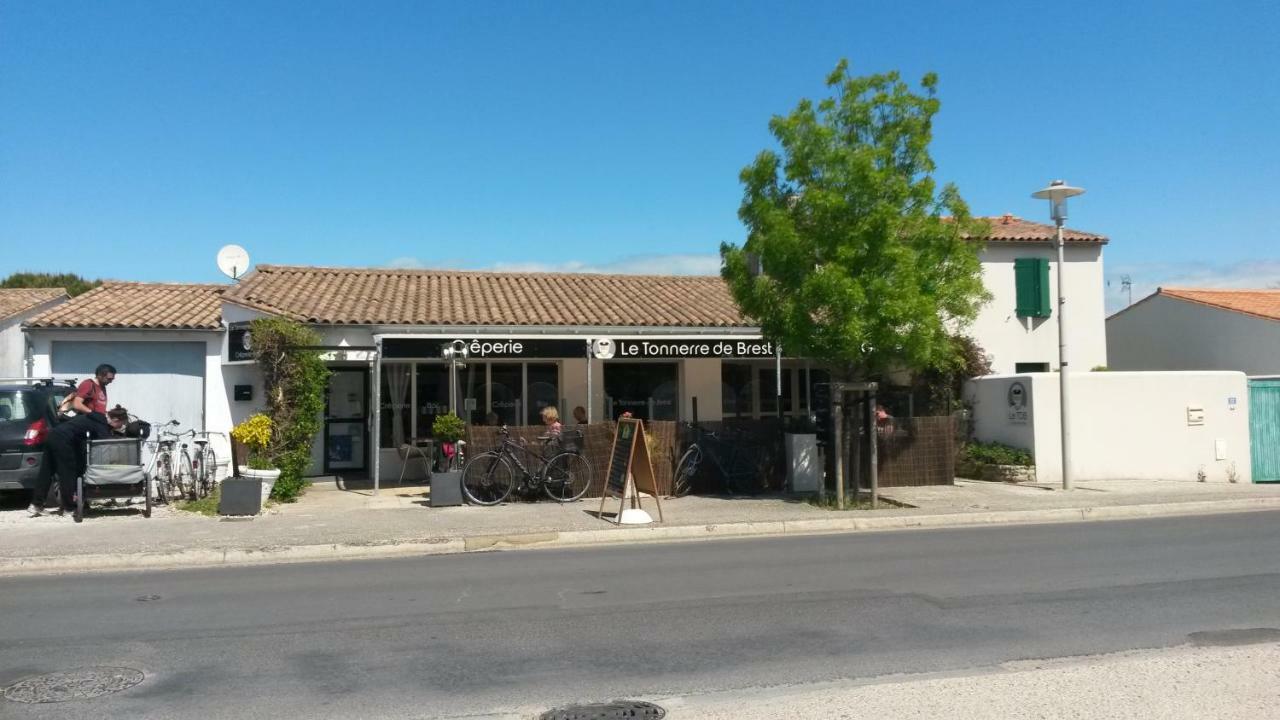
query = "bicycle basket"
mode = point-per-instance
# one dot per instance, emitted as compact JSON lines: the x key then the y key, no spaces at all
{"x":571,"y":441}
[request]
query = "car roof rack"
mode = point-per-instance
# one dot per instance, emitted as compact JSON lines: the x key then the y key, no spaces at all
{"x":36,"y":381}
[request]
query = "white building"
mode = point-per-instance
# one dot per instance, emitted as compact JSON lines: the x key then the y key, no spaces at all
{"x":16,"y":307}
{"x":1018,"y":329}
{"x":1198,"y":329}
{"x":680,"y":350}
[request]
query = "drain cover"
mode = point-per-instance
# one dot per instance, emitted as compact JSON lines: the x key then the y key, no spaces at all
{"x":78,"y":684}
{"x":616,"y":710}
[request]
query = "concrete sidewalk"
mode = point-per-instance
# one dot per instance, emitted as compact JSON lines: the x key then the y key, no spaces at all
{"x":333,"y":521}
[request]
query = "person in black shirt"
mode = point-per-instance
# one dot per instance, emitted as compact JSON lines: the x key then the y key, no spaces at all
{"x":64,"y":453}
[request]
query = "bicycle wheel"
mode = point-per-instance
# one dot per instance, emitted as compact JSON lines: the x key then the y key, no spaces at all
{"x":487,"y":479}
{"x":185,"y":478}
{"x":206,"y":464}
{"x":566,"y":477}
{"x":164,"y":477}
{"x":682,"y":480}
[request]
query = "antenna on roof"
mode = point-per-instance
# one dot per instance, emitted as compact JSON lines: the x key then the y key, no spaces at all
{"x":1126,"y":286}
{"x":233,"y":261}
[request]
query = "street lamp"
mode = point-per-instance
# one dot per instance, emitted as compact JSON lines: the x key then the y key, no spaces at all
{"x":456,"y":353}
{"x":1057,"y":194}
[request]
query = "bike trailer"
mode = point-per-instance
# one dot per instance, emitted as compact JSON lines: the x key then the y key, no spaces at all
{"x":113,"y":470}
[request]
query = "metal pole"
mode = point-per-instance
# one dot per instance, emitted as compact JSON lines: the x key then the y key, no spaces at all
{"x":778,"y":383}
{"x":837,"y":410}
{"x":376,"y":414}
{"x":1062,"y":362}
{"x":875,"y":438}
{"x":590,"y":400}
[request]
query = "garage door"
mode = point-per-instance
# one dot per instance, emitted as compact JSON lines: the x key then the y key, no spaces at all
{"x":157,"y":381}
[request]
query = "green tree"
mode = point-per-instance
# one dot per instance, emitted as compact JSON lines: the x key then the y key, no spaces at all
{"x":74,"y":284}
{"x":867,"y":264}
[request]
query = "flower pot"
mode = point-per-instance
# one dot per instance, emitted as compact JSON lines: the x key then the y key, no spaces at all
{"x":268,"y":478}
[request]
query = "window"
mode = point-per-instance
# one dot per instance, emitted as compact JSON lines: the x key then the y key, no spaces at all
{"x":395,"y":419}
{"x":1030,"y":367}
{"x":1031,"y":275}
{"x":544,"y":390}
{"x":433,"y":396}
{"x":735,"y":389}
{"x":506,"y":392}
{"x":648,"y":391}
{"x":769,"y":390}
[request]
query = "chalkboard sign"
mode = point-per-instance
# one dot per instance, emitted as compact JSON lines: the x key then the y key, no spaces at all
{"x":630,"y":470}
{"x":624,"y":441}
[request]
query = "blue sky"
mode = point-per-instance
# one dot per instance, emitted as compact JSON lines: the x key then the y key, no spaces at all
{"x":137,"y":138}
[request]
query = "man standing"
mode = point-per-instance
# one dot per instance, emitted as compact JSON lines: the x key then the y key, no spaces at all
{"x":91,"y":395}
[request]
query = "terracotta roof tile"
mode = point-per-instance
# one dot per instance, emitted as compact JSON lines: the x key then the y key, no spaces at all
{"x":341,"y":296}
{"x":157,"y":306}
{"x":1259,"y":303}
{"x":1008,"y":228}
{"x":15,"y":301}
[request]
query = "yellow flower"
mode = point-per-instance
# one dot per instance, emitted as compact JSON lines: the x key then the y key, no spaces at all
{"x":254,"y":432}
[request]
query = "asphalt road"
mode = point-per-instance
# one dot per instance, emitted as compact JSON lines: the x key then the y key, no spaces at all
{"x":484,"y":633}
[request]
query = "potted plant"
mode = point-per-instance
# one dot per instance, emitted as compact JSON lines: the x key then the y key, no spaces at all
{"x":255,"y":434}
{"x":446,"y":487}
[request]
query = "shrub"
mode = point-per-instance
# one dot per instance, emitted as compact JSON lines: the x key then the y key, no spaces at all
{"x":255,"y":434}
{"x":995,"y":454}
{"x":294,"y":380}
{"x":448,"y":428}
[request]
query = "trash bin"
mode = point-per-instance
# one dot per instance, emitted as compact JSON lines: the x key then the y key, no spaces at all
{"x":240,"y":496}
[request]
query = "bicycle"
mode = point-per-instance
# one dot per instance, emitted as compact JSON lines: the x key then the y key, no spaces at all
{"x":204,"y":464}
{"x":170,"y":462}
{"x":739,"y":471}
{"x":564,"y":474}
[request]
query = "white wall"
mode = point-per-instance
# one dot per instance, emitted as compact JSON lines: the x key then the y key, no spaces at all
{"x":1125,"y":425}
{"x":700,"y":378}
{"x":1010,"y":339}
{"x":1165,"y":333}
{"x":13,"y":342}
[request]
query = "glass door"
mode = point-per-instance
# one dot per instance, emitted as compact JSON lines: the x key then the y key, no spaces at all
{"x":345,"y":423}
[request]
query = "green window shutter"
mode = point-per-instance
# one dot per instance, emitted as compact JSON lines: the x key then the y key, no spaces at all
{"x":1031,"y":276}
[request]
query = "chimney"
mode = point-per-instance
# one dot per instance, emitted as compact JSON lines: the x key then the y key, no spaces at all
{"x":1006,"y":219}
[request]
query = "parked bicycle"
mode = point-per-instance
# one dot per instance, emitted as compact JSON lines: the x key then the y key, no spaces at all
{"x":739,"y":466}
{"x":560,"y":471}
{"x":204,"y":463}
{"x":170,"y":465}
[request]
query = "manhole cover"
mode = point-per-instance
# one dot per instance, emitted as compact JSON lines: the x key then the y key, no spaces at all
{"x":615,"y":710}
{"x":79,"y":684}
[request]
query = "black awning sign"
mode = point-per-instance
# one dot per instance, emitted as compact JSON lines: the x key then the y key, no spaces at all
{"x":661,"y":348}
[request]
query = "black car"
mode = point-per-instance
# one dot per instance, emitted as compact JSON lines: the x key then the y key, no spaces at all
{"x":28,"y":411}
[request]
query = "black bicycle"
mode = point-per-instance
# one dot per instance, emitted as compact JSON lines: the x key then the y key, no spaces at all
{"x":562,"y":473}
{"x":738,"y":465}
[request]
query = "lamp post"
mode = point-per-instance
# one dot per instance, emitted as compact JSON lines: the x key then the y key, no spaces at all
{"x":1057,"y":194}
{"x":456,"y":353}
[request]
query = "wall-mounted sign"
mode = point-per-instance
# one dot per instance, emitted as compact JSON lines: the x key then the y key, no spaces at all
{"x":659,"y":348}
{"x":485,"y":348}
{"x":1017,"y":397}
{"x":601,"y":348}
{"x":239,"y":344}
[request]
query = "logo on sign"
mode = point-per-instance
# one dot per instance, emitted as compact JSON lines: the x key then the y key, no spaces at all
{"x":602,"y":349}
{"x":1018,"y":413}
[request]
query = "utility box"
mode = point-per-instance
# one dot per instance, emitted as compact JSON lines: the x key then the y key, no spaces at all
{"x":240,"y":496}
{"x":804,"y":467}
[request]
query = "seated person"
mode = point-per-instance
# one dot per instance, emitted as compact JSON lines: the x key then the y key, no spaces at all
{"x":551,"y":418}
{"x":580,"y":415}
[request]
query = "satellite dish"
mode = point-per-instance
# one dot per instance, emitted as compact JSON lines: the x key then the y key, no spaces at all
{"x":233,"y":261}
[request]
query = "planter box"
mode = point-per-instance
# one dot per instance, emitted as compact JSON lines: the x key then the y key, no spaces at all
{"x":1009,"y":473}
{"x":240,"y":496}
{"x":446,"y":489}
{"x":267,"y":477}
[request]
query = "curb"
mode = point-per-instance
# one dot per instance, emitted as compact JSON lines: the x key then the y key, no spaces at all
{"x":198,"y":558}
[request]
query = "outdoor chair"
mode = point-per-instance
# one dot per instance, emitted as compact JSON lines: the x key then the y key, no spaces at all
{"x":416,"y":449}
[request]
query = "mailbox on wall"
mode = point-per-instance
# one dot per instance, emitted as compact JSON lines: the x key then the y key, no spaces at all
{"x":243,"y":392}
